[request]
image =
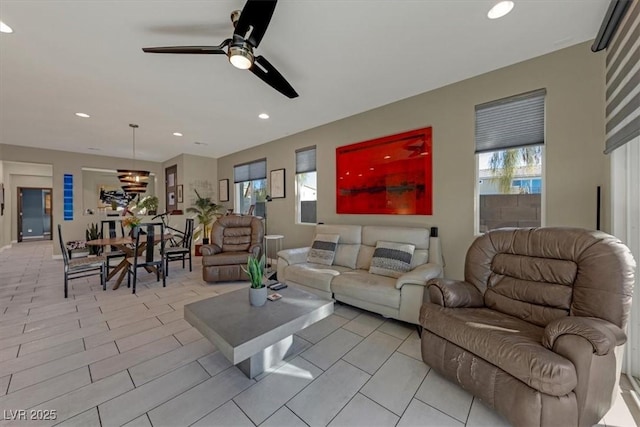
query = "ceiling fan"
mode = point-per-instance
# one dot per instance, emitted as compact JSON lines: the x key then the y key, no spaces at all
{"x":250,"y":25}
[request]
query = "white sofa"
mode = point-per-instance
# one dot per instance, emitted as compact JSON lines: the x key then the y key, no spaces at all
{"x":348,"y":278}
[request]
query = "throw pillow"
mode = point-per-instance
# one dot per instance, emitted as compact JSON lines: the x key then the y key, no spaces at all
{"x":391,"y":259}
{"x":323,"y":249}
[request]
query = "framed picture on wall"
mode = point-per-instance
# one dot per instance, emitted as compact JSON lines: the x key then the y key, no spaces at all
{"x":180,"y":196}
{"x":277,"y":184}
{"x":223,"y":190}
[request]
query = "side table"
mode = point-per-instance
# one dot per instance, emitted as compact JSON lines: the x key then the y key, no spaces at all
{"x":277,"y":246}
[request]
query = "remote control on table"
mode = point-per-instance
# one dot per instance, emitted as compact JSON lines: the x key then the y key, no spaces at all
{"x":278,"y":286}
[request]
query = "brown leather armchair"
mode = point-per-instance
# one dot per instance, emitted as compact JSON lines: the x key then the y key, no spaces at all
{"x":233,"y":239}
{"x":537,"y":328}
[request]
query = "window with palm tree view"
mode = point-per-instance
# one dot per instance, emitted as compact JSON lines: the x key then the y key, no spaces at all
{"x":306,"y":186}
{"x":251,"y":187}
{"x":510,"y":157}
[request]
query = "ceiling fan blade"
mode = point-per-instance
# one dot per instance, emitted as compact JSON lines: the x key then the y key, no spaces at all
{"x":268,"y":74}
{"x":203,"y":50}
{"x":256,"y":14}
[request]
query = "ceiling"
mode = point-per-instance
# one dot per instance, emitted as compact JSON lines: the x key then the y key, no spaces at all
{"x":343,"y":57}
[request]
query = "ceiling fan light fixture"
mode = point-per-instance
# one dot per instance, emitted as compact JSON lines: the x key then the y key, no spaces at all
{"x":500,"y":9}
{"x":241,"y":56}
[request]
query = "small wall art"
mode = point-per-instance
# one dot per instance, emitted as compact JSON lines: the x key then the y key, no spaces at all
{"x":180,"y":194}
{"x":223,"y":190}
{"x":276,"y":180}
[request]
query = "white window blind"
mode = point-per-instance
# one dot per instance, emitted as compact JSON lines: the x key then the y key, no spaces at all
{"x":306,"y":160}
{"x":516,"y":121}
{"x":250,"y":171}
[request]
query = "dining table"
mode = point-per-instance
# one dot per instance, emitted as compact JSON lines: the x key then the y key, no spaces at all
{"x":125,"y":244}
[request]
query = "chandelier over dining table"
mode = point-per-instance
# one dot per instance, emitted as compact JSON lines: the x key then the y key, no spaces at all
{"x":134,"y":181}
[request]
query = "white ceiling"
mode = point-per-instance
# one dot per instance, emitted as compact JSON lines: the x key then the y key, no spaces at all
{"x":343,"y":57}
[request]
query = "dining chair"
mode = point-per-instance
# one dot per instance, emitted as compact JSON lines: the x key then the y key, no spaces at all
{"x":149,"y":234}
{"x":81,"y":267}
{"x":180,"y":252}
{"x":112,"y":226}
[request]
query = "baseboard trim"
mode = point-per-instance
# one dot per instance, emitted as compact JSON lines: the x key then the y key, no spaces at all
{"x":5,"y":247}
{"x":59,"y":256}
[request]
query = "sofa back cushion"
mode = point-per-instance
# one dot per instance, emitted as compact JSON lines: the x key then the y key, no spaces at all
{"x":391,"y":259}
{"x":541,"y":274}
{"x":416,"y":236}
{"x":323,"y":249}
{"x":348,"y":244}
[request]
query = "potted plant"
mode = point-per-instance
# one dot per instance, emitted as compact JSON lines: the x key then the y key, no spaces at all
{"x":206,"y":211}
{"x":92,"y":233}
{"x":255,"y":271}
{"x":149,"y":204}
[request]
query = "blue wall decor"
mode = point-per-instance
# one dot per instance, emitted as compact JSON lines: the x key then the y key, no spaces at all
{"x":68,"y":197}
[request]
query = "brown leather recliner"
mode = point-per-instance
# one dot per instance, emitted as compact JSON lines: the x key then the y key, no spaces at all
{"x":537,"y":329}
{"x":233,"y":239}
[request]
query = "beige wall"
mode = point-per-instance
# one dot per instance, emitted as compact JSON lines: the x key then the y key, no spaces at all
{"x":574,"y":162}
{"x":195,"y":172}
{"x":65,"y":162}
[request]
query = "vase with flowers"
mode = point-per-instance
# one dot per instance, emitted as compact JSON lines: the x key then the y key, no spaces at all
{"x":132,"y":222}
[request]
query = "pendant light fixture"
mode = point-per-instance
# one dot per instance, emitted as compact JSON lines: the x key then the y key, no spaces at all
{"x":134,"y":181}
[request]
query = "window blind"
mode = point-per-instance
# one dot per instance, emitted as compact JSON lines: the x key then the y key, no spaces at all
{"x":510,"y":122}
{"x":250,"y":171}
{"x":623,"y":82}
{"x":306,"y":160}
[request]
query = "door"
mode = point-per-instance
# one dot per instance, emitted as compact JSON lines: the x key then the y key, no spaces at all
{"x":34,"y":214}
{"x":171,"y":187}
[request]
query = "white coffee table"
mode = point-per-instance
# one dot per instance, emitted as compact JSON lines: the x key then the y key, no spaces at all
{"x":256,"y":338}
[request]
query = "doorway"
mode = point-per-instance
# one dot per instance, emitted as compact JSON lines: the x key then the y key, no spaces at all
{"x":34,"y":214}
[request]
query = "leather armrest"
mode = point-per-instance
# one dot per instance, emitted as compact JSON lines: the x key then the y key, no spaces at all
{"x":602,"y":335}
{"x":454,"y":293}
{"x":210,"y":250}
{"x":419,"y":275}
{"x":294,"y":256}
{"x":255,"y":250}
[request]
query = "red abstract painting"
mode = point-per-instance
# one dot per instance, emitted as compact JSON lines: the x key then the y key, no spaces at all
{"x":390,"y":175}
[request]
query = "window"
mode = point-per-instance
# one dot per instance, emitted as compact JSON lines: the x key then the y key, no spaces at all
{"x":251,"y":187}
{"x":306,"y":186}
{"x":510,"y":154}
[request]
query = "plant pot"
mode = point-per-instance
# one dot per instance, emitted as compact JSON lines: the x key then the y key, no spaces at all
{"x":134,"y":232}
{"x":258,"y":296}
{"x":205,"y":241}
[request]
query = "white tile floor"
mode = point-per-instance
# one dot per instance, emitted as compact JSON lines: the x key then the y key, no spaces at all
{"x":112,"y":358}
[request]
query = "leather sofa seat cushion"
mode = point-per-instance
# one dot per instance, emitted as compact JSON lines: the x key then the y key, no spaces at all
{"x":315,"y":276}
{"x":505,"y":341}
{"x":226,"y":258}
{"x":364,"y":286}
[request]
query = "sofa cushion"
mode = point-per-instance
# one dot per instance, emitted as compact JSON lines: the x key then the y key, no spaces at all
{"x":362,"y":285}
{"x":226,"y":258}
{"x":348,"y":245}
{"x":316,"y":276}
{"x":513,"y":345}
{"x":323,"y":249}
{"x":391,"y":259}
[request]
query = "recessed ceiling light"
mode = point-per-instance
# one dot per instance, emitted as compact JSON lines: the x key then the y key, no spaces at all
{"x":177,"y":134}
{"x":263,"y":116}
{"x":500,"y":9}
{"x":4,"y":28}
{"x":83,"y":115}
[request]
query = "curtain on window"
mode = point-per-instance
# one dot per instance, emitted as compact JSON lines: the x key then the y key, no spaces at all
{"x":250,"y":171}
{"x":516,"y":121}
